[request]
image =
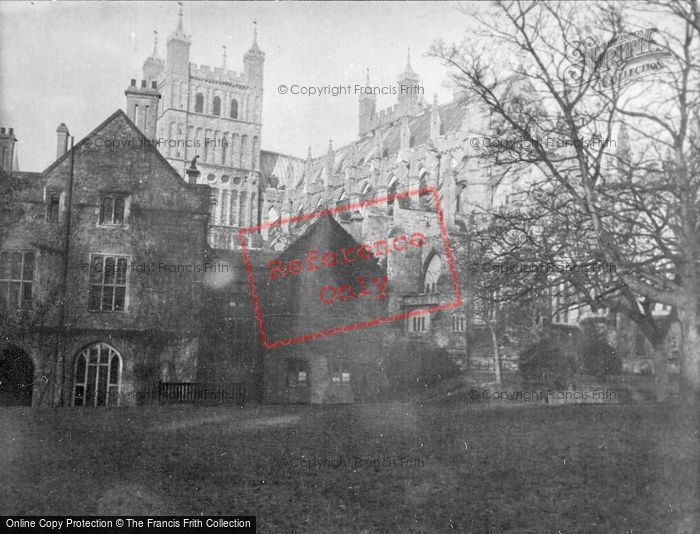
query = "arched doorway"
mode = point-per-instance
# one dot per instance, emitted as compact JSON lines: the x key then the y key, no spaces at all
{"x":16,"y":377}
{"x":97,"y":376}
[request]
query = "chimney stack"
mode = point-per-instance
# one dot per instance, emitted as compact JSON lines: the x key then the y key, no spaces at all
{"x":7,"y":149}
{"x":142,"y":106}
{"x":61,"y":140}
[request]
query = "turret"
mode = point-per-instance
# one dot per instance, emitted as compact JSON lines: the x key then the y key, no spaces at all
{"x":253,"y":62}
{"x":409,"y":90}
{"x":330,"y":164}
{"x":154,"y":65}
{"x":308,"y":169}
{"x":178,"y":49}
{"x":368,"y":108}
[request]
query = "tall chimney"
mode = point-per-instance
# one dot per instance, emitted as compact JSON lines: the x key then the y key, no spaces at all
{"x":7,"y":149}
{"x":62,"y":140}
{"x":142,"y":106}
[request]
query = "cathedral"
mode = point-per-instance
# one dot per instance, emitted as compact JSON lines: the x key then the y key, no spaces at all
{"x":129,"y":276}
{"x":213,"y":115}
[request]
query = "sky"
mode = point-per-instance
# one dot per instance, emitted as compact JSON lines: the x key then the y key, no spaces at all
{"x":71,"y":61}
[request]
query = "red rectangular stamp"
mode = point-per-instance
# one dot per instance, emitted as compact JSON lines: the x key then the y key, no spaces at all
{"x":326,"y":282}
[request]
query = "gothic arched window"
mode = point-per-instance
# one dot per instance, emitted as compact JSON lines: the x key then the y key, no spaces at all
{"x":234,"y":108}
{"x":199,"y":103}
{"x":97,"y":376}
{"x":217,"y":106}
{"x":433,"y":270}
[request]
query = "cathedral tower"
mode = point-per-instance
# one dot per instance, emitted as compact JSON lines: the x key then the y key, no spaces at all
{"x":214,"y":113}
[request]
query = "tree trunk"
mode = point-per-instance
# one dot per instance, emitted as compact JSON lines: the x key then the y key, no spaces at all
{"x":690,"y":353}
{"x":496,"y":354}
{"x":660,"y":360}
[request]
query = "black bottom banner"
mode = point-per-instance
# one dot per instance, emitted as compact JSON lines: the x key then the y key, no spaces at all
{"x":239,"y":524}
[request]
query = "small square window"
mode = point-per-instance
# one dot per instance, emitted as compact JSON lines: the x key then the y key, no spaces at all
{"x":297,"y":372}
{"x":340,"y":372}
{"x":112,"y":209}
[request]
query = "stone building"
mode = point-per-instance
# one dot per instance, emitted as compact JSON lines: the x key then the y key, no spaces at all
{"x":148,"y":202}
{"x":408,"y":146}
{"x":338,"y":368}
{"x":102,"y":259}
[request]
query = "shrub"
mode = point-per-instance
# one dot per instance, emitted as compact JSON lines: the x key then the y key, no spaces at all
{"x":436,"y":365}
{"x":545,"y":361}
{"x":415,"y":364}
{"x":599,"y":359}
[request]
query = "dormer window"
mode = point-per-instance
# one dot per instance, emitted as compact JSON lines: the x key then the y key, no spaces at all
{"x":113,"y":209}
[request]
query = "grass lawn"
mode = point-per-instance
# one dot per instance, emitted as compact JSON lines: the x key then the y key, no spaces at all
{"x":467,"y":467}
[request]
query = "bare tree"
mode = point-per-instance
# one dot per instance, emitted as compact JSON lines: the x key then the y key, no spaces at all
{"x":638,"y":212}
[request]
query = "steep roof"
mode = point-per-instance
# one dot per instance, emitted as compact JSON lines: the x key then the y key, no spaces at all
{"x":280,"y":169}
{"x":137,"y":135}
{"x":293,"y":305}
{"x":326,"y":234}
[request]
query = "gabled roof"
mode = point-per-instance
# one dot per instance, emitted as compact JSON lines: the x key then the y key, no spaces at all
{"x":326,"y":234}
{"x":137,"y":135}
{"x":285,"y":170}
